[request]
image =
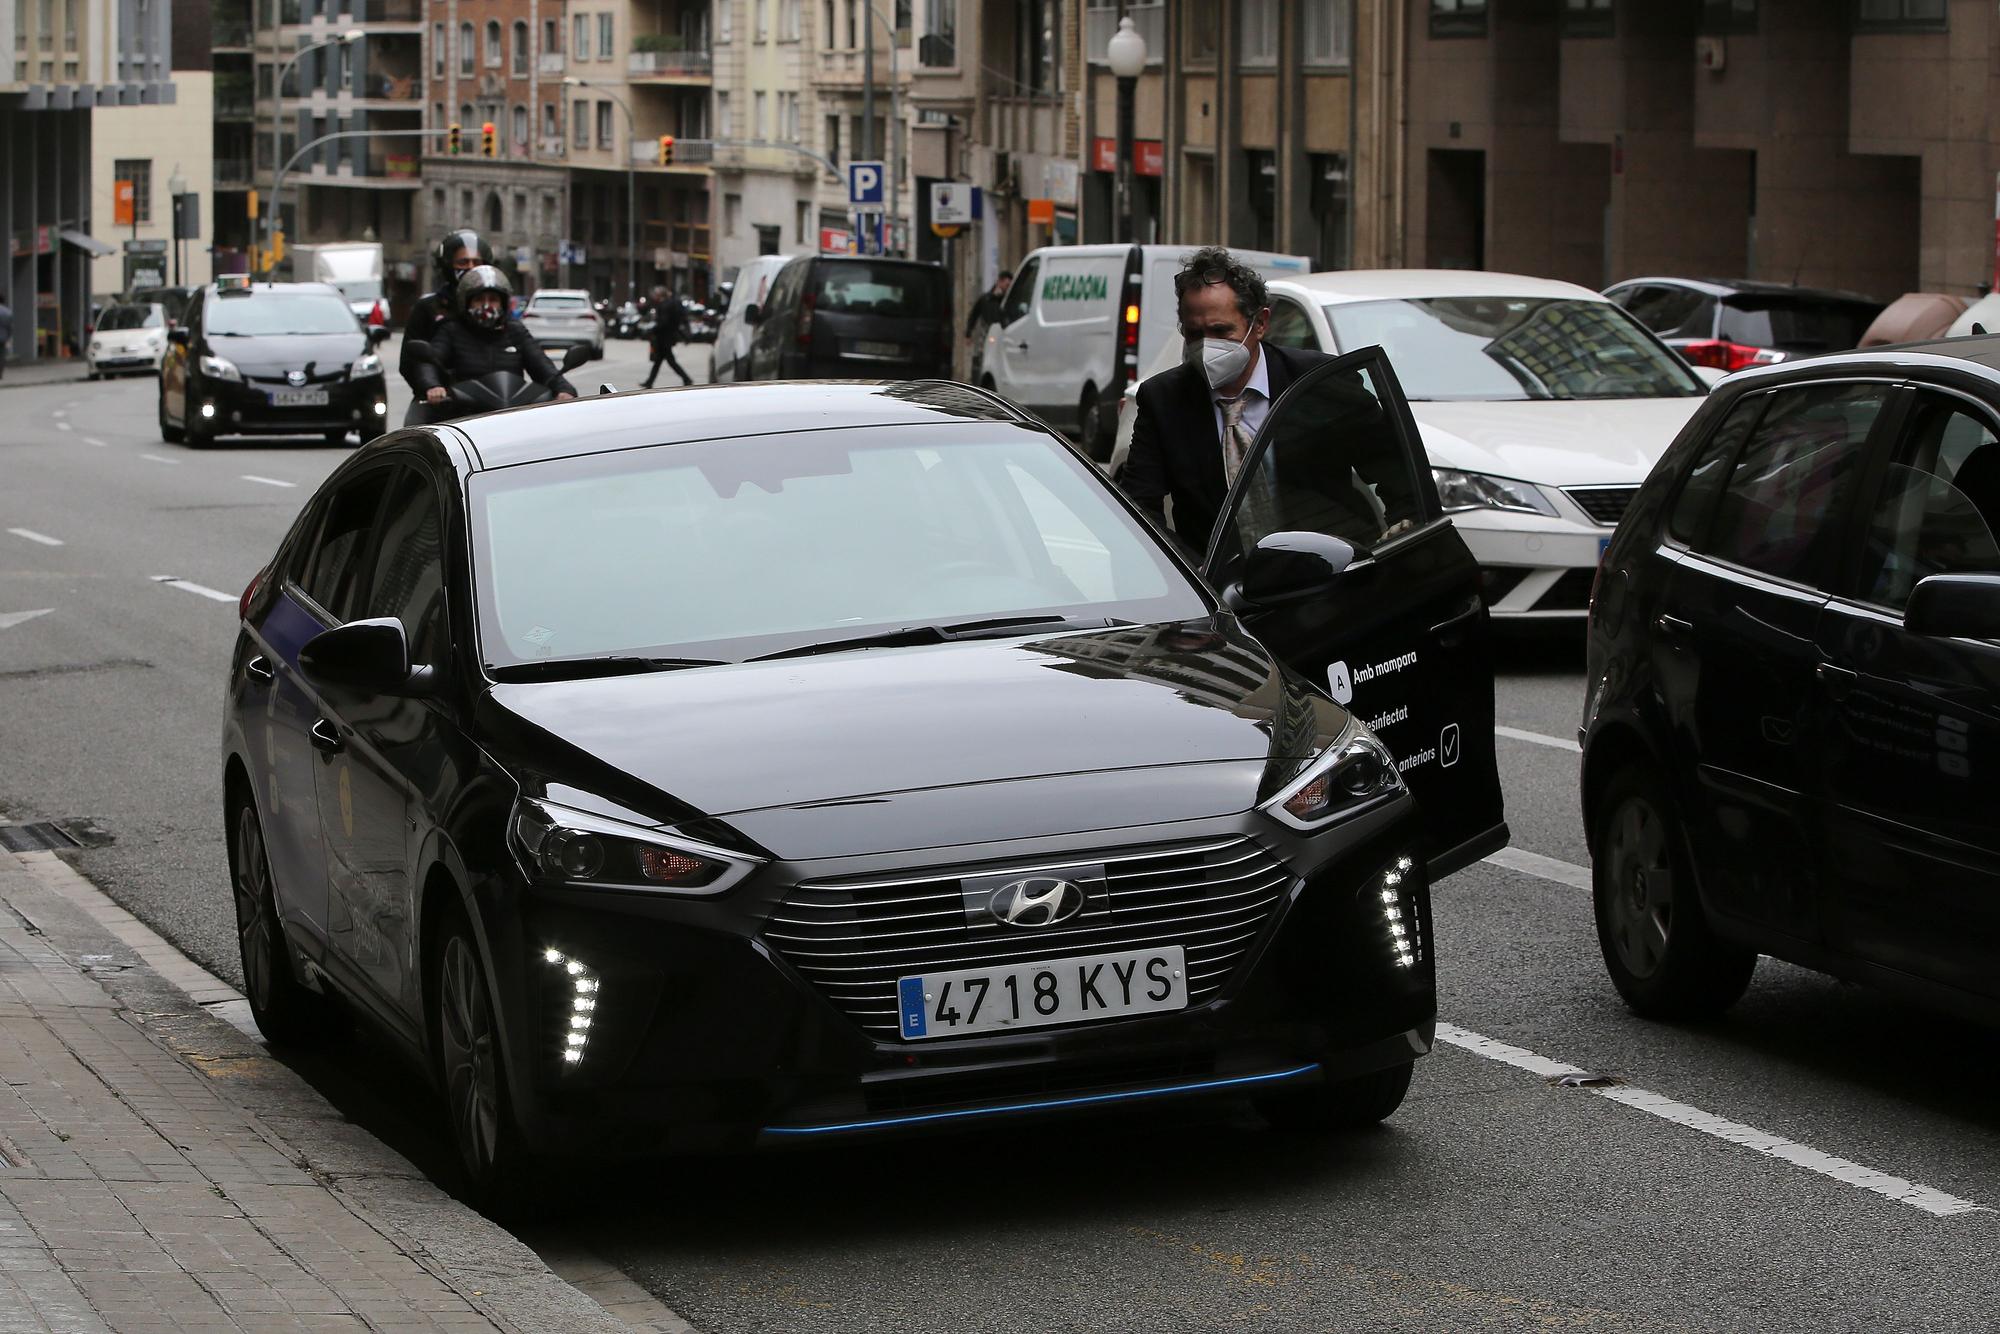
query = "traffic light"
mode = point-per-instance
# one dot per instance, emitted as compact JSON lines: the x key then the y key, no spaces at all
{"x":451,"y":139}
{"x":276,"y":254}
{"x":666,"y":149}
{"x":489,"y":140}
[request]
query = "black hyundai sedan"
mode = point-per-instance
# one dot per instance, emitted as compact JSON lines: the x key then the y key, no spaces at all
{"x":777,"y":763}
{"x":271,"y":359}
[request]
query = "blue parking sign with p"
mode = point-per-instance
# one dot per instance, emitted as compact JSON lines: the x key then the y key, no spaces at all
{"x":866,"y":184}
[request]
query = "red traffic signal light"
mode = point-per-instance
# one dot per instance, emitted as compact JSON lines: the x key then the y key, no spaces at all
{"x":489,"y":140}
{"x":666,"y":149}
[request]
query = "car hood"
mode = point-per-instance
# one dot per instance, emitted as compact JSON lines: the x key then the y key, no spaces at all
{"x":722,"y":741}
{"x":1554,"y":443}
{"x":276,"y":355}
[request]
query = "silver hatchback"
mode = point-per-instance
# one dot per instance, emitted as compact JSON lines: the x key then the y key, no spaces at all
{"x":561,"y":318}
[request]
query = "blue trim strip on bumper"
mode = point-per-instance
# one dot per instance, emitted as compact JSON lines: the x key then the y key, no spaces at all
{"x":1088,"y":1100}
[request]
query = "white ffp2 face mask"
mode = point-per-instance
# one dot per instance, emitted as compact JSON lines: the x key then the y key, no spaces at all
{"x":1221,"y":360}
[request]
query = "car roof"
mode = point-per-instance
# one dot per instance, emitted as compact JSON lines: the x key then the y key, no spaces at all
{"x":873,"y":259}
{"x":640,"y":419}
{"x":1417,"y":284}
{"x":1980,"y":352}
{"x":1746,"y":287}
{"x":235,"y":292}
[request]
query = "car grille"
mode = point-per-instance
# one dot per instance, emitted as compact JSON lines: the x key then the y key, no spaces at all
{"x":852,"y":939}
{"x":1604,"y":504}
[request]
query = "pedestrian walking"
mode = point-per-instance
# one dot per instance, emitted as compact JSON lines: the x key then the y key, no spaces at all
{"x":6,"y":335}
{"x":669,"y":327}
{"x":986,"y":311}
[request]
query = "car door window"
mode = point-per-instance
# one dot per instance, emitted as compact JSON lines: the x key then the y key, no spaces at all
{"x":408,"y":577}
{"x":338,"y":564}
{"x":1704,"y":480}
{"x":1780,"y":513}
{"x":1020,"y":293}
{"x":1938,"y":507}
{"x":1290,"y":327}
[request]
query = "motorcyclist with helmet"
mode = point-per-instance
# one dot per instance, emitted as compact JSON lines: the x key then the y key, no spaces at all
{"x":479,"y":338}
{"x":456,"y":252}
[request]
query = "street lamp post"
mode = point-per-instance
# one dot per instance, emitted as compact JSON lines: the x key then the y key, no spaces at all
{"x":278,"y":113}
{"x":176,"y":187}
{"x":631,"y":186}
{"x":1126,"y":54}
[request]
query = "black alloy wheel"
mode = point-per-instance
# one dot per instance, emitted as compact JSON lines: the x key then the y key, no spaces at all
{"x":287,"y":1013}
{"x":467,"y":1039}
{"x":1346,"y":1104}
{"x":1664,"y":958}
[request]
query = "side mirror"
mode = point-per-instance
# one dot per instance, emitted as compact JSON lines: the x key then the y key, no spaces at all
{"x":371,"y":656}
{"x":1286,"y":567}
{"x":578,"y":354}
{"x":378,"y":334}
{"x":178,"y":335}
{"x":1955,"y":606}
{"x":607,"y":388}
{"x":421,"y":351}
{"x":753,"y":314}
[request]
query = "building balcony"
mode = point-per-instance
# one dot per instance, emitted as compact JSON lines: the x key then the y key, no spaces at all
{"x":682,"y":65}
{"x":694,"y":155}
{"x":552,"y":145}
{"x":373,"y":169}
{"x":1149,"y":17}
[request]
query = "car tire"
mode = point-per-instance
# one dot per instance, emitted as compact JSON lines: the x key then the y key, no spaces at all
{"x":1346,"y":1104}
{"x":1097,"y":424}
{"x":468,"y":1049}
{"x":170,"y":433}
{"x":1662,"y":954}
{"x":286,"y":1011}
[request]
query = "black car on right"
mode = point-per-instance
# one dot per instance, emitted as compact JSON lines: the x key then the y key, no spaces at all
{"x":1731,"y":324}
{"x":1791,"y":727}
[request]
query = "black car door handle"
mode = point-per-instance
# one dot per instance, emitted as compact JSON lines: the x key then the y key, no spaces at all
{"x":1837,"y":680}
{"x":259,"y":669}
{"x":1672,"y":625}
{"x":1451,"y":631}
{"x":326,"y":737}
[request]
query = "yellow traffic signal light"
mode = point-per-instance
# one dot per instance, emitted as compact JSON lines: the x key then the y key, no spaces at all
{"x":276,"y":254}
{"x":451,"y":139}
{"x":666,"y":149}
{"x":489,"y":140}
{"x":250,"y":204}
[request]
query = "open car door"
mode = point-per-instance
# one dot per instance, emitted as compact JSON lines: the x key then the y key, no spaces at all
{"x":1333,"y":549}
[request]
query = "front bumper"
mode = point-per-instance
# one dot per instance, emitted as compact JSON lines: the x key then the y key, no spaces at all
{"x":704,"y":1034}
{"x":122,"y":361}
{"x":1531,"y":567}
{"x":247,"y":409}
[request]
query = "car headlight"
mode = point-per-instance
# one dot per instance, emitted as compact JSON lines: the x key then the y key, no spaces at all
{"x":1354,"y":771}
{"x":368,"y":364}
{"x":561,"y":845}
{"x":96,"y":346}
{"x":220,"y":368}
{"x":1478,"y":490}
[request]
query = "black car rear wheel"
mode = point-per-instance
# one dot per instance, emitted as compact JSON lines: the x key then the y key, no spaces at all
{"x":286,"y":1012}
{"x":466,"y":1037}
{"x":1664,"y":958}
{"x":1347,"y":1104}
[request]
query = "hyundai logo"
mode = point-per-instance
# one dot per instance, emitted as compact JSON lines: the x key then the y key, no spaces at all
{"x":295,"y":378}
{"x":1038,"y":900}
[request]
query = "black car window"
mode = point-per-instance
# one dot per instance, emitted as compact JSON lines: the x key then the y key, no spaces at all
{"x":1664,"y":310}
{"x":338,"y":564}
{"x":1020,"y":293}
{"x":901,"y":291}
{"x":1290,"y":327}
{"x":1704,"y":480}
{"x":408,"y":579}
{"x":1795,"y":324}
{"x":1939,"y":505}
{"x":1794,"y":479}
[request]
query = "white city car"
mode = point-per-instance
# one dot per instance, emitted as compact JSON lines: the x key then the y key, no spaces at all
{"x":1542,"y":407}
{"x":128,"y":339}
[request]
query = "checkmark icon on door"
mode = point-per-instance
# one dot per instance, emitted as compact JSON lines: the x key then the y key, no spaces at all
{"x":1448,"y":745}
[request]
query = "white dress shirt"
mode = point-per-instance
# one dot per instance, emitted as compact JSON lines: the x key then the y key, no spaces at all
{"x":1256,"y":398}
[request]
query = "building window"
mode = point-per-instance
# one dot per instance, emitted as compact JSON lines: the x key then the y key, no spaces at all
{"x":725,"y":124}
{"x":1036,"y":47}
{"x":1263,"y":187}
{"x":437,"y":49}
{"x":1201,"y":31}
{"x":605,"y":45}
{"x":604,"y":125}
{"x":770,"y":239}
{"x":805,"y":221}
{"x":826,"y":28}
{"x":520,"y":127}
{"x":1458,"y":18}
{"x":139,"y":171}
{"x":725,"y":20}
{"x":757,"y":125}
{"x":579,"y":121}
{"x":1329,"y":202}
{"x":465,"y":53}
{"x":548,"y":120}
{"x":833,"y":140}
{"x":789,"y":20}
{"x":551,"y":36}
{"x":854,"y":23}
{"x":465,"y":115}
{"x":762,"y":10}
{"x":1257,"y":33}
{"x":1587,"y":18}
{"x":732,"y":214}
{"x":1327,"y":25}
{"x":437,"y":115}
{"x":1721,"y":17}
{"x":938,"y":48}
{"x":1899,"y":15}
{"x":520,"y":46}
{"x":492,"y":44}
{"x":579,"y":37}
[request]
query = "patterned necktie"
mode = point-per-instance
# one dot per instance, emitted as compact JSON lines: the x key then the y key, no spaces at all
{"x":1235,"y":438}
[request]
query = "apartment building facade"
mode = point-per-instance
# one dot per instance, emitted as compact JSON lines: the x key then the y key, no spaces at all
{"x":767,"y":197}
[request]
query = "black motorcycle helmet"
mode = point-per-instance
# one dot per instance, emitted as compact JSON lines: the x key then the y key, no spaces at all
{"x":455,"y":243}
{"x":474,"y":281}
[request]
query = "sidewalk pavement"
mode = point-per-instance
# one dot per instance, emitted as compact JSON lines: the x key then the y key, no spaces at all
{"x":160,"y":1171}
{"x":42,"y":370}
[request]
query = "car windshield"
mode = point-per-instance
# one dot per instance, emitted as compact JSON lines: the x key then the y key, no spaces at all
{"x":541,"y":303}
{"x":132,"y":317}
{"x":732,"y":549}
{"x":902,"y":290}
{"x":1796,"y":324}
{"x":359,"y":289}
{"x":1499,"y":348}
{"x":280,"y":313}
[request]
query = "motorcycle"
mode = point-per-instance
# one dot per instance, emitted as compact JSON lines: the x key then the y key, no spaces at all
{"x":484,"y":393}
{"x":625,"y":323}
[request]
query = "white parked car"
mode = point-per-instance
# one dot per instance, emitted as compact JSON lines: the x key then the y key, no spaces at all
{"x":128,"y":339}
{"x":561,"y":318}
{"x":731,"y":358}
{"x":1542,"y":407}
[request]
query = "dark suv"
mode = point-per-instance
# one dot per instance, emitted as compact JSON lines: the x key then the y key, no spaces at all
{"x":1730,"y":325}
{"x":853,"y":317}
{"x":1793,"y":695}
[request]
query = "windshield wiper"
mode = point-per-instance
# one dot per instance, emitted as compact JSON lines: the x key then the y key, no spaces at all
{"x":998,"y":627}
{"x":565,"y":669}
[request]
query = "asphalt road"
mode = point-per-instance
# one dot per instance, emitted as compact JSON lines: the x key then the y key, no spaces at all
{"x":1821,"y":1159}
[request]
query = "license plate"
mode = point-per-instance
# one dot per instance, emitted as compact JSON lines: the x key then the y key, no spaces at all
{"x":887,"y":351}
{"x":1030,"y":995}
{"x":298,"y":398}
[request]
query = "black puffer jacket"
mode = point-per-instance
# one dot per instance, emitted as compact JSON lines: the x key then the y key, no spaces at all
{"x":466,"y":353}
{"x":432,"y":309}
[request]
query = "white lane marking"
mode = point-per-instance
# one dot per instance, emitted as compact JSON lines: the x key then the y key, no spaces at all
{"x":93,"y":440}
{"x":10,"y":619}
{"x":34,"y":536}
{"x":158,"y":458}
{"x":59,"y":412}
{"x":267,"y":481}
{"x":1900,"y":1189}
{"x":64,"y":426}
{"x":186,"y":587}
{"x":1539,"y":738}
{"x":1545,"y":868}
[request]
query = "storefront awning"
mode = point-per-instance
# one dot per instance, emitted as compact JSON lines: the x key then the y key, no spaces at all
{"x":88,"y":244}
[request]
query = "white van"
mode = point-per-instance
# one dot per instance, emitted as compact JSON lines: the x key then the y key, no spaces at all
{"x":1080,"y":321}
{"x":732,"y":336}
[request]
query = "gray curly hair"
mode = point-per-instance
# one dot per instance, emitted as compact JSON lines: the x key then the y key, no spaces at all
{"x":1213,"y":264}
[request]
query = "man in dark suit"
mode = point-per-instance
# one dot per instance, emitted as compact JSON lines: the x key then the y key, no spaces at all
{"x":1196,"y":422}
